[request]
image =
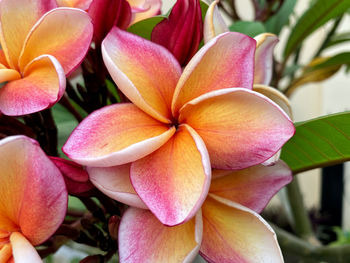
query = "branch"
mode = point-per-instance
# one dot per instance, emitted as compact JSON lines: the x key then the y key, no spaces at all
{"x":301,"y":222}
{"x":293,"y":245}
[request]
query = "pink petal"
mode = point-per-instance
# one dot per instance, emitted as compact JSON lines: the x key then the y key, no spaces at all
{"x":114,"y":135}
{"x":17,"y":18}
{"x":42,"y":85}
{"x":265,"y":44}
{"x":181,"y":33}
{"x":234,"y":233}
{"x":142,"y":238}
{"x":145,"y":72}
{"x":115,"y":183}
{"x":64,"y":33}
{"x":252,"y":187}
{"x":174,"y":180}
{"x":33,"y":193}
{"x":239,"y":127}
{"x":227,"y":61}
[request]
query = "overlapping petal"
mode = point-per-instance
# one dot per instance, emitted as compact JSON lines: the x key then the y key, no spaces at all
{"x":252,"y":187}
{"x":142,"y":238}
{"x":33,"y":197}
{"x":145,"y":72}
{"x":8,"y":75}
{"x":115,"y":183}
{"x":240,"y":128}
{"x":64,"y":33}
{"x":17,"y":18}
{"x":174,"y":180}
{"x":22,"y":250}
{"x":114,"y":135}
{"x":276,"y":96}
{"x":227,"y":61}
{"x":42,"y":85}
{"x":281,"y":100}
{"x":214,"y":24}
{"x":265,"y":44}
{"x":142,"y":9}
{"x":233,"y":233}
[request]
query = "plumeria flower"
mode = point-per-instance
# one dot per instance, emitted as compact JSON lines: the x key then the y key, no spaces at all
{"x":178,"y":126}
{"x":226,"y":229}
{"x":182,"y":31}
{"x":40,"y":46}
{"x":33,"y":199}
{"x":214,"y":25}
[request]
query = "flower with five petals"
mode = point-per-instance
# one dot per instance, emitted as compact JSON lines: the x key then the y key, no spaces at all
{"x":180,"y":124}
{"x":40,"y":44}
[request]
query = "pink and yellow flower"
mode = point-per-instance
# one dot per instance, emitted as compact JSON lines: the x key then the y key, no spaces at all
{"x":33,"y":199}
{"x":40,"y":44}
{"x":226,"y":229}
{"x":178,"y":126}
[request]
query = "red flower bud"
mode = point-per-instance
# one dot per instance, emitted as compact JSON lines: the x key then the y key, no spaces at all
{"x":76,"y":178}
{"x":182,"y":32}
{"x":108,"y":13}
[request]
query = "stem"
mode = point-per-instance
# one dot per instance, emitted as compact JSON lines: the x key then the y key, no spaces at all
{"x":295,"y":246}
{"x":301,"y":224}
{"x":51,"y":131}
{"x":66,"y":103}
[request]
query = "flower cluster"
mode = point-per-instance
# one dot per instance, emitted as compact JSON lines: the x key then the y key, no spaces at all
{"x":193,"y":150}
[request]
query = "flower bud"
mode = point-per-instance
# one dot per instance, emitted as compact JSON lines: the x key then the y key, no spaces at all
{"x":181,"y":33}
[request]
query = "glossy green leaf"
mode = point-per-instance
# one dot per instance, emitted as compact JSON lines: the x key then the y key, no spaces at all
{"x":317,"y":15}
{"x":276,"y":22}
{"x":144,"y":27}
{"x":318,"y":143}
{"x":339,"y":39}
{"x":250,"y":28}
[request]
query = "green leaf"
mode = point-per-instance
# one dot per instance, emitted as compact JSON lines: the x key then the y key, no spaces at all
{"x":204,"y":8}
{"x":144,"y":27}
{"x":250,"y":28}
{"x":65,"y":123}
{"x":339,"y":39}
{"x":337,"y":60}
{"x":317,"y":15}
{"x":318,"y":143}
{"x":276,"y":22}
